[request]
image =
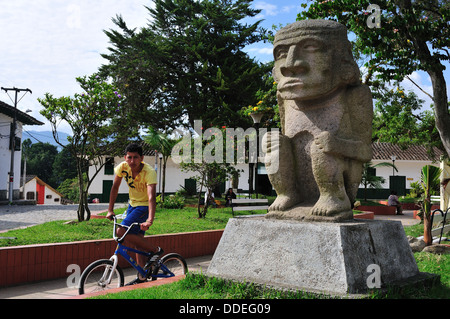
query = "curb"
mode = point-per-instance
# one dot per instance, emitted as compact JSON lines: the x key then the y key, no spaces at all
{"x":149,"y":284}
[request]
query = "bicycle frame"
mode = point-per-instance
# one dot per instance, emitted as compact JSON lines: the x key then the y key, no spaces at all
{"x":122,"y":251}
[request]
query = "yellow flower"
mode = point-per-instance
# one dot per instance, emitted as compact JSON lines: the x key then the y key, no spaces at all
{"x":259,"y":103}
{"x":275,"y":82}
{"x":255,"y":109}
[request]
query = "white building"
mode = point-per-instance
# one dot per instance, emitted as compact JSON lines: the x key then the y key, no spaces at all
{"x":7,"y":113}
{"x":409,"y":163}
{"x":176,"y":179}
{"x":38,"y":190}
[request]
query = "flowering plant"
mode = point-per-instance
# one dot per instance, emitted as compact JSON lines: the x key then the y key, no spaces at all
{"x":258,"y":108}
{"x":267,"y":100}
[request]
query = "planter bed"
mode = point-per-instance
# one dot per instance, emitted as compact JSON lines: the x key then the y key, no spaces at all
{"x":379,"y":210}
{"x":365,"y":215}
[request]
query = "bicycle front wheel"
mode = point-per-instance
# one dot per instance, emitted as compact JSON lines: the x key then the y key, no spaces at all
{"x":174,"y":265}
{"x":98,"y":277}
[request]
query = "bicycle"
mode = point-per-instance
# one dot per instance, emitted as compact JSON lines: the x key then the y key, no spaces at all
{"x":106,"y":274}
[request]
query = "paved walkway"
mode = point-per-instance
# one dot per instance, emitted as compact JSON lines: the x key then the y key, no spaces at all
{"x":407,"y":218}
{"x":21,"y":216}
{"x":57,"y":289}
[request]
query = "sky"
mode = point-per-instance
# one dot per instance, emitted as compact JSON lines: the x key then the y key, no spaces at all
{"x":46,"y":44}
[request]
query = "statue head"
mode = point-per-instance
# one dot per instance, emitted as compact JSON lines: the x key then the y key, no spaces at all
{"x":313,"y":59}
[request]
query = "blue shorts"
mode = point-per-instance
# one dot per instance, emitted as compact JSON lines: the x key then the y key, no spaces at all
{"x":138,"y":214}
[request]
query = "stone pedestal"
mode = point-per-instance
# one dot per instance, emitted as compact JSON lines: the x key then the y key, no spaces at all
{"x":335,"y":258}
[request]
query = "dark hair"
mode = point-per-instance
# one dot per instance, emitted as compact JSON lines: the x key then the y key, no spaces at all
{"x":134,"y":148}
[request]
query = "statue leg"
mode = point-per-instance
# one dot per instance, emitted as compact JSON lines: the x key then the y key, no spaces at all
{"x":329,"y":175}
{"x":280,"y":172}
{"x":352,"y":178}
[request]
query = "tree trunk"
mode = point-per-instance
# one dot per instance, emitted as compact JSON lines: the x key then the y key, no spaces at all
{"x":200,"y":198}
{"x":442,"y":117}
{"x":427,"y":237}
{"x":83,"y":199}
{"x":80,"y":211}
{"x":205,"y":208}
{"x":163,"y":178}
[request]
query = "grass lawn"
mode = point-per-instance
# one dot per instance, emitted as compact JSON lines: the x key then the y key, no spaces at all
{"x":166,"y":221}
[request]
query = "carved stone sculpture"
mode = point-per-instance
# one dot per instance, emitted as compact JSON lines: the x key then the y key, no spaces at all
{"x":326,"y":115}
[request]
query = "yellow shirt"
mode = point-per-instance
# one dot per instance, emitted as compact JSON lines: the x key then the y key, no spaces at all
{"x":137,"y":186}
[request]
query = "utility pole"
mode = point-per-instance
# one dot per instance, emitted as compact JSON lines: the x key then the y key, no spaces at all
{"x":12,"y":138}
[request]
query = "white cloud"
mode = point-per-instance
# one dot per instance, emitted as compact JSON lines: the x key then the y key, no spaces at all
{"x":46,"y":44}
{"x":268,"y":8}
{"x":288,"y":9}
{"x":268,"y":50}
{"x":423,"y":81}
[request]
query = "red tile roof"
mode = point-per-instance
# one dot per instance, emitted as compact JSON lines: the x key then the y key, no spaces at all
{"x":384,"y":151}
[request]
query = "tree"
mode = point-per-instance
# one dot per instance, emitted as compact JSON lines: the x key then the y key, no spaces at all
{"x":369,"y":179}
{"x":70,"y":189}
{"x":192,"y":53}
{"x":163,"y":145}
{"x":137,"y":66}
{"x":209,"y":175}
{"x":411,"y":36}
{"x":89,"y":116}
{"x":64,"y":167}
{"x":398,"y":120}
{"x":430,"y":183}
{"x":207,"y":159}
{"x":40,"y":158}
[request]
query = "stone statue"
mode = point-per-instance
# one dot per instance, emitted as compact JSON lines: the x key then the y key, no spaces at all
{"x":326,"y":120}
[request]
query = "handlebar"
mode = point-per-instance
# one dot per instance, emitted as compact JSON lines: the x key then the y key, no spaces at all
{"x":116,"y":238}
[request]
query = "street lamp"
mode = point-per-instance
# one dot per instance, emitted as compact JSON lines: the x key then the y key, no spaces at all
{"x":393,"y":158}
{"x":256,"y":120}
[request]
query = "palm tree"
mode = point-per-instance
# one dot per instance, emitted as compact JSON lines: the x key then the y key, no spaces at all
{"x":163,"y":145}
{"x":370,"y":180}
{"x":429,"y":182}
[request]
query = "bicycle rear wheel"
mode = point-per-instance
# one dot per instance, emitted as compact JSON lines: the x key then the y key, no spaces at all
{"x":174,"y":263}
{"x":95,"y":277}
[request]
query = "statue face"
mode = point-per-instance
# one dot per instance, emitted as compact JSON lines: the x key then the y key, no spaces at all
{"x":304,"y":68}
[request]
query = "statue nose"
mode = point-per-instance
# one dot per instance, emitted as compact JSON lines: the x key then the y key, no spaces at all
{"x":294,"y":62}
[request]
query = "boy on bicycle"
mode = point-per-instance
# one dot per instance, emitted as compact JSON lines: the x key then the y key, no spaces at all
{"x":141,"y":180}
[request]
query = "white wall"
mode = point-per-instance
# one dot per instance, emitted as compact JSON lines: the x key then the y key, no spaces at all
{"x":410,"y":169}
{"x":31,"y":187}
{"x":174,"y":177}
{"x":5,"y":156}
{"x":54,"y":195}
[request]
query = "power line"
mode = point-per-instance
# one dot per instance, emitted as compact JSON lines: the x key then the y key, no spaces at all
{"x":32,"y":136}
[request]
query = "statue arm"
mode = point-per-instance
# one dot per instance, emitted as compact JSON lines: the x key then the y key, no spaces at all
{"x":352,"y":149}
{"x":359,"y":101}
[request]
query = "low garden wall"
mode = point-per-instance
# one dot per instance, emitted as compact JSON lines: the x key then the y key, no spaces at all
{"x":25,"y":264}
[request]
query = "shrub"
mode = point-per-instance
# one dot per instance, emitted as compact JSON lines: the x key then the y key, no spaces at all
{"x":173,"y":201}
